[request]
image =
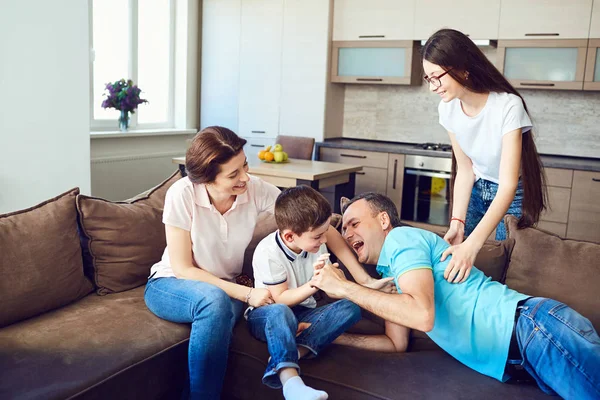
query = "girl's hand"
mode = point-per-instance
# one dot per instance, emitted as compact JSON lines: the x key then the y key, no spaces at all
{"x":260,"y":297}
{"x":385,"y":285}
{"x":459,"y":267}
{"x":456,"y":233}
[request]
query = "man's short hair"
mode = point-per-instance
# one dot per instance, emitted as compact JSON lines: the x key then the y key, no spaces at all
{"x":300,"y":209}
{"x":378,"y":203}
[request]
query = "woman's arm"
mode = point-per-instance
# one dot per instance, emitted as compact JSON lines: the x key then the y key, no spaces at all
{"x":179,"y":245}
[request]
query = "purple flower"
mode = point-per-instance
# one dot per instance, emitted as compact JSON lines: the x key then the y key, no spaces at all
{"x":122,"y":95}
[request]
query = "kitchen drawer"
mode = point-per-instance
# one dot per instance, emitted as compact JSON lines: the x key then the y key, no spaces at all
{"x":584,"y":212}
{"x":553,"y":227}
{"x":254,"y":145}
{"x":371,"y":180}
{"x":355,"y":157}
{"x":559,"y":177}
{"x":558,"y":205}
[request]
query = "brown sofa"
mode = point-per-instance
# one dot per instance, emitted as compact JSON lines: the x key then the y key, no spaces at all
{"x":73,"y":323}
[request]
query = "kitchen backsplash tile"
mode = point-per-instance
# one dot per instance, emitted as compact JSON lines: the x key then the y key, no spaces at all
{"x":565,"y":122}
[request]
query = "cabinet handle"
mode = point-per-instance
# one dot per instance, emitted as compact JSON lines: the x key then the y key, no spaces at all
{"x":369,"y":79}
{"x":258,"y":131}
{"x":537,"y":84}
{"x":370,"y":36}
{"x":596,"y":179}
{"x":352,"y":156}
{"x":395,"y":174}
{"x":360,"y":173}
{"x":256,"y":145}
{"x":542,"y":34}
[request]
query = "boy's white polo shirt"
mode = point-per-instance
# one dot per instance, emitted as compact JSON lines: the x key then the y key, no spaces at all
{"x":274,"y":263}
{"x":218,"y":240}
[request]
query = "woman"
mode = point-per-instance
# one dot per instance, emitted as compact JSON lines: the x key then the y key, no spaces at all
{"x":209,"y":218}
{"x":496,"y":167}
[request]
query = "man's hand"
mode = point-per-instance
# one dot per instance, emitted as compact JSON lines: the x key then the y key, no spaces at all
{"x":331,"y":280}
{"x":385,"y":285}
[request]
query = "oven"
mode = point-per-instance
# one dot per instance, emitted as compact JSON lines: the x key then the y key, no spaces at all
{"x":426,"y":190}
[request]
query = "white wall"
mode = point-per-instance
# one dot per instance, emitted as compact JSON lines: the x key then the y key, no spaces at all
{"x":44,"y":100}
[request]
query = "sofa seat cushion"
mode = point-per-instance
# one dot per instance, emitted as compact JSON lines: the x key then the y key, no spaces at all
{"x":353,"y":374}
{"x":40,"y":259}
{"x":64,"y":352}
{"x":546,"y":265}
{"x":122,"y":240}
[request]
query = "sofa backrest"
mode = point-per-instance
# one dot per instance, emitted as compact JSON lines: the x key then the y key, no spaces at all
{"x":545,"y":265}
{"x":40,"y":259}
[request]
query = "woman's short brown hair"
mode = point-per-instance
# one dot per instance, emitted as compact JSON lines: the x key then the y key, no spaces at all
{"x":211,"y":148}
{"x":300,"y":209}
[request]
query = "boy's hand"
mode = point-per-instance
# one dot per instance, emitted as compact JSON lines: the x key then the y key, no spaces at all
{"x":302,"y":326}
{"x":322,"y":261}
{"x":385,"y":285}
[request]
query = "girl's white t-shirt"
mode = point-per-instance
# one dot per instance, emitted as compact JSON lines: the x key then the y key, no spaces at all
{"x":480,"y":137}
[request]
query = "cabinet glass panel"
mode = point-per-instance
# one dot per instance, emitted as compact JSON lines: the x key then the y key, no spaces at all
{"x":541,"y":64}
{"x":597,"y":68}
{"x":372,"y":61}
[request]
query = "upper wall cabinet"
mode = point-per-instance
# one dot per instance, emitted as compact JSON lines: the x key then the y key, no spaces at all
{"x":595,"y":24}
{"x":373,"y":19}
{"x":475,"y":18}
{"x":545,"y":19}
{"x":592,"y":67}
{"x":543,"y":64}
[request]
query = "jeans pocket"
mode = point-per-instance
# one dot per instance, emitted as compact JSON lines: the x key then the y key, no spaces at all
{"x":576,"y":322}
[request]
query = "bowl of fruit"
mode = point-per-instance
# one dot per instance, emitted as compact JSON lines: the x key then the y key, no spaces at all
{"x":273,"y":154}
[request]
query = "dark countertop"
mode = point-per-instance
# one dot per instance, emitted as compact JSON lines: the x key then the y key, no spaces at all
{"x":550,"y":161}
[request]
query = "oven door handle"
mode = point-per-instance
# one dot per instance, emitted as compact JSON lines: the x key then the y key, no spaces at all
{"x":443,"y":175}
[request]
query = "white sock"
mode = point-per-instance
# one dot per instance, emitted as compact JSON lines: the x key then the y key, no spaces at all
{"x":295,"y":389}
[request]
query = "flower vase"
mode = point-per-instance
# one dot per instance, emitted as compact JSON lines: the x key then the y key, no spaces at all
{"x":124,"y":121}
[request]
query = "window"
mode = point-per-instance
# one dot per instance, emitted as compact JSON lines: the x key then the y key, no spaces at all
{"x":135,"y":40}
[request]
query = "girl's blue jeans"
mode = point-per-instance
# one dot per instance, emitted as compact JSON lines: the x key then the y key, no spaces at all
{"x":482,"y":195}
{"x":212,"y":314}
{"x":560,"y":349}
{"x":277,"y":324}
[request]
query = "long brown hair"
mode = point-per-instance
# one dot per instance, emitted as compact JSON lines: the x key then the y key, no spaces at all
{"x":457,"y":54}
{"x":209,"y":149}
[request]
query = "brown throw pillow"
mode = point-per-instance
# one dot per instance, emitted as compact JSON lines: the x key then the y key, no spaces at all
{"x":493,"y":258}
{"x":122,"y":240}
{"x":40,"y":259}
{"x":546,"y":265}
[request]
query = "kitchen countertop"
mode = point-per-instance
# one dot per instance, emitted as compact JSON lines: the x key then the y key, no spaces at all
{"x":549,"y":161}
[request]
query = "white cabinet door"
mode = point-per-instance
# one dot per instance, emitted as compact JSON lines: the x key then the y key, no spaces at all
{"x":220,"y":63}
{"x":475,"y":18}
{"x":260,"y":67}
{"x":373,"y":19}
{"x":595,"y":24}
{"x":304,"y":68}
{"x":545,"y":19}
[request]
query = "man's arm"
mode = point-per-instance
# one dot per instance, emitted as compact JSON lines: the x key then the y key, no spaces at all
{"x":413,"y":308}
{"x":395,"y":339}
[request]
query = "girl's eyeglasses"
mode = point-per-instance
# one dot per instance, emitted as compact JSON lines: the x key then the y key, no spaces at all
{"x":435,"y":80}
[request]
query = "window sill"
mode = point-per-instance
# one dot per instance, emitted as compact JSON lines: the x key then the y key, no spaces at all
{"x":141,"y":133}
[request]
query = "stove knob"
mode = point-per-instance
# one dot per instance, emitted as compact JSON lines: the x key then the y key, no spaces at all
{"x":421,"y":164}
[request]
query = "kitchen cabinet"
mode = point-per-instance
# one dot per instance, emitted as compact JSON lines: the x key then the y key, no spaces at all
{"x":595,"y":23}
{"x":220,"y":63}
{"x":584,"y":210}
{"x":376,"y":62}
{"x":475,"y":18}
{"x":373,"y":20}
{"x":395,"y":179}
{"x":592,"y":66}
{"x":558,"y":184}
{"x":543,"y":64}
{"x":255,"y":144}
{"x":545,"y":19}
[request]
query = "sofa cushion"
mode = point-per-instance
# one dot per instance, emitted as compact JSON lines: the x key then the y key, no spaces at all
{"x":122,"y":240}
{"x":91,"y":342}
{"x":546,"y":265}
{"x":40,"y":259}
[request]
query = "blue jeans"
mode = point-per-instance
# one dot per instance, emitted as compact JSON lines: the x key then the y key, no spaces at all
{"x":560,"y":349}
{"x":212,"y":314}
{"x":482,"y":195}
{"x":277,"y":324}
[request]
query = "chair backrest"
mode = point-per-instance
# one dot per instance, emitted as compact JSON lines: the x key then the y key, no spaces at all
{"x":297,"y":146}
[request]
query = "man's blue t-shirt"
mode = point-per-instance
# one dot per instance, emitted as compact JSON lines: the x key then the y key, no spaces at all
{"x":473,"y":319}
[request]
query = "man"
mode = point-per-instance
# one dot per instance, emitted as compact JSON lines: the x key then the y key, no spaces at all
{"x":482,"y":323}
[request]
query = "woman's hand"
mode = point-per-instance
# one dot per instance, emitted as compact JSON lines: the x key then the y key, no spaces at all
{"x":260,"y":297}
{"x":456,"y":233}
{"x":463,"y":257}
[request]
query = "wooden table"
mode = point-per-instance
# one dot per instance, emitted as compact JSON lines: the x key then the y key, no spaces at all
{"x":316,"y":174}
